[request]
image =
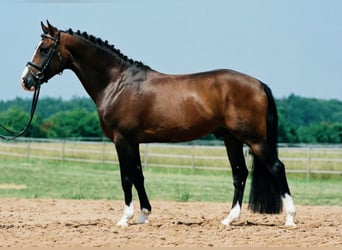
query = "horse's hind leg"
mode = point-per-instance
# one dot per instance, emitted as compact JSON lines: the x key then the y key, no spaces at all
{"x":239,"y":169}
{"x":278,"y":169}
{"x":269,"y":184}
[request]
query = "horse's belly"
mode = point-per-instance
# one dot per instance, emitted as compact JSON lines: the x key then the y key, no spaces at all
{"x":176,"y":133}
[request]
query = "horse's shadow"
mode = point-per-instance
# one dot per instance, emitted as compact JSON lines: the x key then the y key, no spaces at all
{"x":236,"y":224}
{"x":251,"y":224}
{"x":201,"y":223}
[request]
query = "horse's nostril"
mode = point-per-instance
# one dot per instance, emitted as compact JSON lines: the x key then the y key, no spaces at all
{"x":25,"y":83}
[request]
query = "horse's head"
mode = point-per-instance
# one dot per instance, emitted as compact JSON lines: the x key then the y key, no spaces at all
{"x":47,"y":60}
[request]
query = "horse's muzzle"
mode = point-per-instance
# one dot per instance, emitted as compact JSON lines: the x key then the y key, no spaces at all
{"x":28,"y":82}
{"x":26,"y":87}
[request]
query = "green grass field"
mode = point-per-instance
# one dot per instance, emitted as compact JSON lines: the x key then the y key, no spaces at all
{"x":32,"y":178}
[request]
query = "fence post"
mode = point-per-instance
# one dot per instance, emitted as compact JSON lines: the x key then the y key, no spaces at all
{"x":63,"y":150}
{"x":246,"y":156}
{"x":193,"y":159}
{"x":103,"y":150}
{"x":28,"y":149}
{"x":308,"y":163}
{"x":146,"y":155}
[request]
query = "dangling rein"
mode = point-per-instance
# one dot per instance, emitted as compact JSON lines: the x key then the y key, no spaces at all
{"x":38,"y":79}
{"x":14,"y":134}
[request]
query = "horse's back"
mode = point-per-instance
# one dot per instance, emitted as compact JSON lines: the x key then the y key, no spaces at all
{"x":224,"y":81}
{"x":197,"y":104}
{"x":217,"y":91}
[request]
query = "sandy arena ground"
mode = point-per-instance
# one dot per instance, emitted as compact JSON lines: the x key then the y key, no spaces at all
{"x":77,"y":223}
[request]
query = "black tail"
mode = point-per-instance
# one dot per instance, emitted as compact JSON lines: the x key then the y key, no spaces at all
{"x":265,"y":196}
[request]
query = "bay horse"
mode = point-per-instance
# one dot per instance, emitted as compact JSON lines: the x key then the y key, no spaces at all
{"x":137,"y":104}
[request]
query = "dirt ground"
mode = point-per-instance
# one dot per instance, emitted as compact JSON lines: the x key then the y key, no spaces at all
{"x":77,"y":223}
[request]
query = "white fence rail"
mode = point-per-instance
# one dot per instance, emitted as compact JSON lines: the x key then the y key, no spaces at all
{"x":301,"y":158}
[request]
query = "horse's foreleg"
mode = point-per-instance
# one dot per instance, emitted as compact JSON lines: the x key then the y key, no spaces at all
{"x":124,"y":152}
{"x":127,"y":215}
{"x":129,"y":208}
{"x":144,"y":202}
{"x":235,"y":153}
{"x":138,"y":182}
{"x":131,"y":174}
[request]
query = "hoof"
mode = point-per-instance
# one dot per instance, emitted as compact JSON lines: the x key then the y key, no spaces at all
{"x":127,"y":216}
{"x":143,"y":218}
{"x":228,"y":221}
{"x":225,"y":222}
{"x":290,"y":223}
{"x":234,"y":215}
{"x":122,"y":223}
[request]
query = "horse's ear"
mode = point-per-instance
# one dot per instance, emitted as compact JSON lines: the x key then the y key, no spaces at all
{"x":52,"y":30}
{"x":44,"y":28}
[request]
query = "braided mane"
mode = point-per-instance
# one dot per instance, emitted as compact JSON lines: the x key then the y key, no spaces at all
{"x":105,"y":44}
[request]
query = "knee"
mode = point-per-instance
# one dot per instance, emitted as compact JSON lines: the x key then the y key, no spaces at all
{"x":239,"y":184}
{"x":139,"y":178}
{"x":126,"y":183}
{"x":240,"y":178}
{"x":278,"y":168}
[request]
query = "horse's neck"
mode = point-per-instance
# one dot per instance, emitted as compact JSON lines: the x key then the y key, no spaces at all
{"x":95,"y":69}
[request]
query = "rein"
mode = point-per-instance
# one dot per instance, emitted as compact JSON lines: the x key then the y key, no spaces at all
{"x":14,"y":134}
{"x":38,"y":79}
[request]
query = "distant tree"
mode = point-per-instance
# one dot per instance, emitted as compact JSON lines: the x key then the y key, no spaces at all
{"x":74,"y":123}
{"x":49,"y":106}
{"x":16,"y":120}
{"x":302,"y":111}
{"x":324,"y":132}
{"x":286,"y":131}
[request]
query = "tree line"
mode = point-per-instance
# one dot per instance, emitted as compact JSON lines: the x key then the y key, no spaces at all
{"x":307,"y":120}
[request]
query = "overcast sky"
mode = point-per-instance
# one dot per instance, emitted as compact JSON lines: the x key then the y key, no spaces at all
{"x":295,"y":46}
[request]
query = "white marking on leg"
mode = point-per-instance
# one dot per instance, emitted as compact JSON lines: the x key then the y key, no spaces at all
{"x":234,"y":215}
{"x":143,"y":218}
{"x":128,"y":214}
{"x":290,"y":210}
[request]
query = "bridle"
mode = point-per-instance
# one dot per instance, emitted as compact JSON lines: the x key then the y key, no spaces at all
{"x":38,"y":79}
{"x":39,"y":76}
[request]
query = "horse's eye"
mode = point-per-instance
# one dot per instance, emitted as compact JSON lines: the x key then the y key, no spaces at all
{"x":43,"y":50}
